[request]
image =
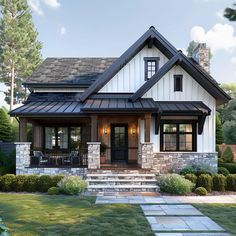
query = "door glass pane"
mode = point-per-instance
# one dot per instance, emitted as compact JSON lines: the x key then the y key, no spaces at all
{"x":169,"y":142}
{"x":75,"y":137}
{"x":62,"y":138}
{"x":185,"y":128}
{"x":185,"y":142}
{"x":50,"y":138}
{"x":170,"y":128}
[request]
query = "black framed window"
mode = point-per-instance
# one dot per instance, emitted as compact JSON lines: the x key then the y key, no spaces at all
{"x":62,"y":137}
{"x":178,"y":83}
{"x":151,"y":66}
{"x":178,"y":136}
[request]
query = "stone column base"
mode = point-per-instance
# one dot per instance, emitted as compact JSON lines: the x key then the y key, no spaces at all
{"x":94,"y":155}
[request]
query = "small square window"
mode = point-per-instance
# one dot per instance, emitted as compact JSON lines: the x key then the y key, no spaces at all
{"x":151,"y":66}
{"x":178,"y":83}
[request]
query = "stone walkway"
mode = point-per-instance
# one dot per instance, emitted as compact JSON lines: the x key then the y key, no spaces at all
{"x":173,"y":215}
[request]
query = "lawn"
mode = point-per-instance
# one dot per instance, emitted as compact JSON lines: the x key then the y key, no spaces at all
{"x":29,"y":214}
{"x":223,"y":214}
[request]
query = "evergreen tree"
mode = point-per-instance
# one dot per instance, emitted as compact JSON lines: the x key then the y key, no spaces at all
{"x":219,"y":131}
{"x":19,"y":48}
{"x":5,"y":126}
{"x":193,"y":44}
{"x":230,"y":13}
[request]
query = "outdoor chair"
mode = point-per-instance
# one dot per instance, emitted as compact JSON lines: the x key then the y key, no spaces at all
{"x":42,"y":159}
{"x":70,"y":158}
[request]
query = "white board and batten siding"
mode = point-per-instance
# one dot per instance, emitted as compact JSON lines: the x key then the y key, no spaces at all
{"x":132,"y":76}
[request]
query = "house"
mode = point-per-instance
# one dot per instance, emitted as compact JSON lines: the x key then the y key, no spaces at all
{"x":152,"y":108}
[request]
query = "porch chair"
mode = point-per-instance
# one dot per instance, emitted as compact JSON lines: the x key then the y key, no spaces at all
{"x":69,"y":160}
{"x":41,"y":157}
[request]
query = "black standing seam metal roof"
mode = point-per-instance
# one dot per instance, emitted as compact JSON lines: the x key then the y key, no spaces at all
{"x":46,"y":104}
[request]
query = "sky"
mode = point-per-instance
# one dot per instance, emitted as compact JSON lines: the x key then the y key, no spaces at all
{"x":104,"y":28}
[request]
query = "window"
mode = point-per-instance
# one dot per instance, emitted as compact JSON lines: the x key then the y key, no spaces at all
{"x":178,"y":137}
{"x":151,"y":66}
{"x":62,"y":137}
{"x":178,"y":83}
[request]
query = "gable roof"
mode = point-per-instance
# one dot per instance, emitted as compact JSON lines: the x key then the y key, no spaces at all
{"x":150,"y":36}
{"x":70,"y":71}
{"x":191,"y":67}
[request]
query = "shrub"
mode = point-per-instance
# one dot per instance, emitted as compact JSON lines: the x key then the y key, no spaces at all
{"x":56,"y":179}
{"x":218,"y":181}
{"x":223,"y":171}
{"x":231,"y":167}
{"x":72,"y":185}
{"x":19,"y":183}
{"x":191,"y":177}
{"x":175,"y":184}
{"x":231,"y":182}
{"x":205,"y":180}
{"x":187,"y":170}
{"x":6,"y":182}
{"x":201,"y":191}
{"x":228,"y":155}
{"x":218,"y":151}
{"x":31,"y":183}
{"x":53,"y":191}
{"x":44,"y":182}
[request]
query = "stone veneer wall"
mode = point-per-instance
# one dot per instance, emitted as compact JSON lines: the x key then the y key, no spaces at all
{"x":166,"y":162}
{"x":93,"y":155}
{"x":23,"y":164}
{"x":146,"y":159}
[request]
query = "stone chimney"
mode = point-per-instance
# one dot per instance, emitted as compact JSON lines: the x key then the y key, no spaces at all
{"x":201,"y":56}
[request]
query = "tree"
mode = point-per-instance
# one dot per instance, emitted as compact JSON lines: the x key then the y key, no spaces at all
{"x":229,"y":88}
{"x":219,"y":131}
{"x":230,"y":13}
{"x":193,"y":44}
{"x":228,"y":113}
{"x":229,"y":128}
{"x":19,"y":48}
{"x":5,"y":126}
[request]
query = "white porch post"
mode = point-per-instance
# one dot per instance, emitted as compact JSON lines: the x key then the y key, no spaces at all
{"x":146,"y":155}
{"x":94,"y":155}
{"x":22,"y":156}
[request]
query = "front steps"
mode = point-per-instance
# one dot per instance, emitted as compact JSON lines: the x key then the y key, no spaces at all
{"x":121,"y":181}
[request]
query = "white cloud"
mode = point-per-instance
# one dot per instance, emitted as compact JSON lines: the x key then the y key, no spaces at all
{"x":233,"y":60}
{"x":52,"y":3}
{"x":35,"y":6}
{"x":219,"y":37}
{"x":62,"y":30}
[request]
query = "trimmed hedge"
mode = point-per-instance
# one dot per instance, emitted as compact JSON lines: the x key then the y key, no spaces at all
{"x":223,"y":171}
{"x":231,"y":182}
{"x":205,"y":180}
{"x":28,"y":183}
{"x":201,"y":191}
{"x":218,"y":182}
{"x":191,"y":177}
{"x":228,"y":155}
{"x":231,"y":167}
{"x":53,"y":191}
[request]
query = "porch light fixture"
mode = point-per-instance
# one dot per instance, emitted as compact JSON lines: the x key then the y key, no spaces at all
{"x":133,"y":131}
{"x":105,"y":130}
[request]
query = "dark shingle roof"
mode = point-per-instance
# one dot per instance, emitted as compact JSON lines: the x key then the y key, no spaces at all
{"x":81,"y":71}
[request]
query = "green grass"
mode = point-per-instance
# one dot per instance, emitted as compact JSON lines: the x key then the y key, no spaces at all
{"x":28,"y":214}
{"x":223,"y":214}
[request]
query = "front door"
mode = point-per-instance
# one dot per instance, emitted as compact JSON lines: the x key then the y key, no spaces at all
{"x":119,"y":142}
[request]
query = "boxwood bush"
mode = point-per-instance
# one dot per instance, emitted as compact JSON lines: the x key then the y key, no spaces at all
{"x":44,"y":183}
{"x":19,"y":183}
{"x":231,"y":182}
{"x":218,"y":181}
{"x":7,"y":182}
{"x":191,"y":177}
{"x":175,"y":184}
{"x":201,"y":191}
{"x":231,"y":167}
{"x":228,"y":155}
{"x":53,"y":191}
{"x":72,"y":185}
{"x":223,"y":171}
{"x":205,"y":180}
{"x":31,"y":183}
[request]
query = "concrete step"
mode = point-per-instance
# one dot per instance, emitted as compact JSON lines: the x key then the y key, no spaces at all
{"x":121,"y":175}
{"x":121,"y":180}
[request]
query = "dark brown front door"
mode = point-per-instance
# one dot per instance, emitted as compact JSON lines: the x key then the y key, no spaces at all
{"x":119,"y":142}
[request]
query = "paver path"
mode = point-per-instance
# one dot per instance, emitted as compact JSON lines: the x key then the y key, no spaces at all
{"x":172,"y":215}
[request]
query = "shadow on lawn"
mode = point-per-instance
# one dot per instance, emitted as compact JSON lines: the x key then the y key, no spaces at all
{"x":66,"y":215}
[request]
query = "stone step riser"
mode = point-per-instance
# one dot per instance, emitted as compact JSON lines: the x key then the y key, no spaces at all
{"x":123,"y":190}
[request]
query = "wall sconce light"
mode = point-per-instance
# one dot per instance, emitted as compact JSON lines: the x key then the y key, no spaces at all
{"x":133,"y":131}
{"x":105,"y":130}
